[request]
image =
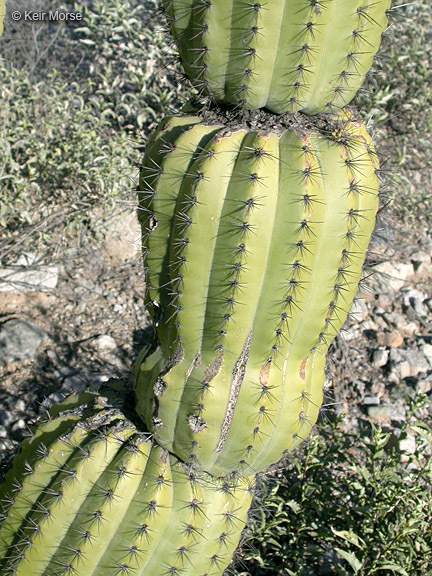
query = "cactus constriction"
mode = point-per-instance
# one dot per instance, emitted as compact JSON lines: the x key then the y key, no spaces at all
{"x":89,"y":495}
{"x":254,"y":243}
{"x":285,"y":55}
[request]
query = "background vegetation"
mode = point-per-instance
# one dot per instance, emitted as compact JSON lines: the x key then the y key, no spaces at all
{"x":78,"y":102}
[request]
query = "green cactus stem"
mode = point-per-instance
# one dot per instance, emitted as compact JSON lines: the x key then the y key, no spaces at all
{"x":254,"y":242}
{"x":2,"y":14}
{"x":284,"y":55}
{"x":90,"y":495}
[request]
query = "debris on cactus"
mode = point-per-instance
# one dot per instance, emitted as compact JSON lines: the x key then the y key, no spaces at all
{"x":254,"y":241}
{"x":89,"y":493}
{"x":284,"y":55}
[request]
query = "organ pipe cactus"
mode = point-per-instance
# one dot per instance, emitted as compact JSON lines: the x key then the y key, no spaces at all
{"x":254,"y":241}
{"x":89,"y":494}
{"x":285,"y":55}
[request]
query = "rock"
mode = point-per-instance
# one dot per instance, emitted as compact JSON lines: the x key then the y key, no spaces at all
{"x":379,"y":413}
{"x":105,"y":342}
{"x":425,"y":386}
{"x":407,"y":362}
{"x":109,"y":351}
{"x":381,"y":323}
{"x":395,"y":319}
{"x":5,"y":418}
{"x":52,"y":355}
{"x":415,"y":299}
{"x":400,"y":367}
{"x":359,"y":311}
{"x":370,"y":326}
{"x":3,"y":432}
{"x":426,"y":350}
{"x":397,"y":411}
{"x":393,"y":276}
{"x":385,"y":301}
{"x":420,"y":256}
{"x":408,"y":444}
{"x":17,"y":428}
{"x":5,"y":445}
{"x":123,"y":241}
{"x":420,"y":309}
{"x":75,"y":383}
{"x":371,"y":401}
{"x":421,"y":261}
{"x":380,"y":358}
{"x":423,"y":270}
{"x":379,"y":311}
{"x":350,"y":334}
{"x":19,"y":405}
{"x":25,"y":279}
{"x":410,"y":329}
{"x":26,"y":259}
{"x":19,"y":339}
{"x":393,"y":339}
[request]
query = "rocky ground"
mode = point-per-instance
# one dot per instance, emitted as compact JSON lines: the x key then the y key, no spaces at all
{"x":68,"y":324}
{"x":384,"y":355}
{"x":80,"y":321}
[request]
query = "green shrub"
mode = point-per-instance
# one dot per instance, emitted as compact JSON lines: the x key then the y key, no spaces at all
{"x":72,"y":116}
{"x":59,"y":158}
{"x":352,"y":504}
{"x":399,"y":99}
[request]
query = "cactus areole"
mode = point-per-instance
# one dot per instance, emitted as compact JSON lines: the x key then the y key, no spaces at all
{"x":284,"y":55}
{"x":90,"y":495}
{"x":254,"y":243}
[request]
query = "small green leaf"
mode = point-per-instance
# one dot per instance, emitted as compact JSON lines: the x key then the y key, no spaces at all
{"x":423,"y":430}
{"x":394,"y":567}
{"x":349,"y":536}
{"x":295,"y":506}
{"x":352,"y":560}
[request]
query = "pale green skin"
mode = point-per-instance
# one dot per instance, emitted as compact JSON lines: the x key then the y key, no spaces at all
{"x":247,"y":424}
{"x":136,"y":478}
{"x":2,"y":14}
{"x":286,"y":56}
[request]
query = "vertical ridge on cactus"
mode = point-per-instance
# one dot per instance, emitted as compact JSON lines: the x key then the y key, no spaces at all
{"x":90,"y":495}
{"x":286,"y":56}
{"x":253,"y":257}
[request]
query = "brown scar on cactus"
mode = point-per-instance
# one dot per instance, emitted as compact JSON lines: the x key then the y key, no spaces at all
{"x":238,"y":375}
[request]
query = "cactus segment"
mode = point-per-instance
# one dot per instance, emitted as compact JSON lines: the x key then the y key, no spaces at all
{"x":252,"y":275}
{"x":2,"y":14}
{"x":284,"y":55}
{"x":90,"y":495}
